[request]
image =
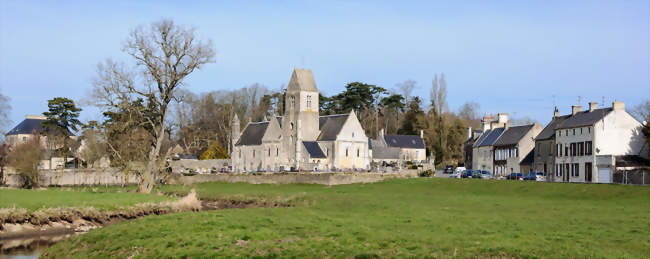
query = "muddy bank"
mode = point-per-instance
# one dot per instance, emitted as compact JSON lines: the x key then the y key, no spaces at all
{"x":17,"y":224}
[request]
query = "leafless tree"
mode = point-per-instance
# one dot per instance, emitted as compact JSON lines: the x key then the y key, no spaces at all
{"x":641,"y":111}
{"x":406,"y":88}
{"x":25,"y":158}
{"x":165,"y":54}
{"x":5,"y":108}
{"x":469,"y":113}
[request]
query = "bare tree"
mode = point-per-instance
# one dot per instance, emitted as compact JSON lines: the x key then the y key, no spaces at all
{"x":406,"y":88}
{"x":25,"y":158}
{"x":641,"y":111}
{"x":165,"y":54}
{"x":469,"y":113}
{"x":5,"y":108}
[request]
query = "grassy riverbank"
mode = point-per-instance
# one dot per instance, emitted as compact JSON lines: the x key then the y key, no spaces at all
{"x":101,"y":198}
{"x":395,"y":218}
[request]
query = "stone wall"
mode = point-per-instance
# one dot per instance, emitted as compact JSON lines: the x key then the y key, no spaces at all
{"x":287,"y":178}
{"x":71,"y":177}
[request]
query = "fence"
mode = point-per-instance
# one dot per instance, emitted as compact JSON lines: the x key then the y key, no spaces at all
{"x":637,"y":176}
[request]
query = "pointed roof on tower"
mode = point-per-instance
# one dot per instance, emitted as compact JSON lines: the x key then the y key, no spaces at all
{"x":302,"y":80}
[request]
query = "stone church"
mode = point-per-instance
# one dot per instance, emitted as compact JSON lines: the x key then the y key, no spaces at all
{"x":301,"y":139}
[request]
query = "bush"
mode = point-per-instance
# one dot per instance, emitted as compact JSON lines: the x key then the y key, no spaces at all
{"x":412,"y":167}
{"x":24,"y":158}
{"x":427,"y":173}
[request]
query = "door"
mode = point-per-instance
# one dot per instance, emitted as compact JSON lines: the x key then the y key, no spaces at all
{"x":588,"y":169}
{"x":604,"y":175}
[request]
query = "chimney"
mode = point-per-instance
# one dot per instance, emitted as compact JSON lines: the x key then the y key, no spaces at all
{"x":35,"y":117}
{"x":556,"y":113}
{"x":593,"y":106}
{"x":618,"y":106}
{"x":575,"y":109}
{"x":502,"y":119}
{"x":422,"y":134}
{"x":469,"y":133}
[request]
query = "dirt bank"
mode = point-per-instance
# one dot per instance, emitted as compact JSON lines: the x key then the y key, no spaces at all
{"x":18,"y":224}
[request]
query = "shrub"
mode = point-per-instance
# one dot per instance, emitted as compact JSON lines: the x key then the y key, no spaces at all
{"x":24,"y":158}
{"x":427,"y":173}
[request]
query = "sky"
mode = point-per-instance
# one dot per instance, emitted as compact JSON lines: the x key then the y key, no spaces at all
{"x":519,"y":57}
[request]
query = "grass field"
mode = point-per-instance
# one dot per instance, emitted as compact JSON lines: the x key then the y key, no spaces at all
{"x":395,"y":218}
{"x":102,"y":198}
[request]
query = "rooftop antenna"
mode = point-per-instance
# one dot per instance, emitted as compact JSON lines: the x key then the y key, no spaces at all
{"x":554,"y":101}
{"x":579,"y":99}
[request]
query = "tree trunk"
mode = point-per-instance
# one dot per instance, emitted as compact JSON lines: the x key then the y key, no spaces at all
{"x":149,"y":176}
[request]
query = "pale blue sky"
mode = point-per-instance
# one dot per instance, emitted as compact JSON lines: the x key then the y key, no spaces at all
{"x":508,"y":56}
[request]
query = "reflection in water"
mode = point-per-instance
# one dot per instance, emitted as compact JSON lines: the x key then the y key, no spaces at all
{"x":29,"y":247}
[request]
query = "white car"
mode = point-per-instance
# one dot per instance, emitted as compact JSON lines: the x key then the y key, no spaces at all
{"x":540,"y":177}
{"x":459,"y":170}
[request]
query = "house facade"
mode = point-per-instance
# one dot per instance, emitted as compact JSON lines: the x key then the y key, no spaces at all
{"x":512,"y":147}
{"x":25,"y":131}
{"x":588,"y":141}
{"x":483,"y":148}
{"x":545,"y":151}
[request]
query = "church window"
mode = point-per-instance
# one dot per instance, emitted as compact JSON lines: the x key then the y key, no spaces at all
{"x":269,"y":152}
{"x":346,"y":152}
{"x":277,"y":151}
{"x":357,"y":152}
{"x":253,"y":153}
{"x":308,"y":101}
{"x":293,"y":102}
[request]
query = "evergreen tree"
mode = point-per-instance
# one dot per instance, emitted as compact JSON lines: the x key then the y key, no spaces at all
{"x":62,"y":120}
{"x":414,"y":119}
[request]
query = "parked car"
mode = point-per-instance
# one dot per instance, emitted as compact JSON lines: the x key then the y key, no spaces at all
{"x":467,"y":174}
{"x":485,"y":174}
{"x":448,"y":169}
{"x":541,"y":176}
{"x":476,"y":174}
{"x":459,"y":169}
{"x":456,"y":175}
{"x":515,"y":176}
{"x":532,"y":176}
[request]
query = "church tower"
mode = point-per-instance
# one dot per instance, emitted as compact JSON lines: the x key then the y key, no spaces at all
{"x":300,"y":122}
{"x":234,"y":133}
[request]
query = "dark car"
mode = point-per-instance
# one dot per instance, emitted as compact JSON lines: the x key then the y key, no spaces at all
{"x":515,"y":176}
{"x":448,"y":169}
{"x":477,"y":174}
{"x":532,"y":176}
{"x":467,"y":174}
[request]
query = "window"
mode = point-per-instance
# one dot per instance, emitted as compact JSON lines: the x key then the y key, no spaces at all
{"x":291,"y":125}
{"x":346,"y":152}
{"x":308,"y":101}
{"x":353,"y":134}
{"x":576,"y":170}
{"x":269,"y":152}
{"x":253,"y":153}
{"x":327,"y":151}
{"x":277,"y":151}
{"x":566,"y":150}
{"x":559,"y":133}
{"x":589,"y":129}
{"x":574,"y":132}
{"x":293,"y":101}
{"x":24,"y":139}
{"x":581,"y":147}
{"x":588,"y":148}
{"x":357,"y":152}
{"x":566,"y":132}
{"x":580,"y":131}
{"x":239,"y":153}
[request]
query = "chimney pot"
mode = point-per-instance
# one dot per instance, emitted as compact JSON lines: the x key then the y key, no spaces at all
{"x":556,"y":113}
{"x":593,"y":106}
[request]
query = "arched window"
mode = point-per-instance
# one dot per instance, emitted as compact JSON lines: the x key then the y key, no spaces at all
{"x":346,"y":152}
{"x":277,"y":151}
{"x":308,"y":101}
{"x":293,"y":101}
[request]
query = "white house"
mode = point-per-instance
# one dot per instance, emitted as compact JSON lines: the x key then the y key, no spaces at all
{"x":588,"y":142}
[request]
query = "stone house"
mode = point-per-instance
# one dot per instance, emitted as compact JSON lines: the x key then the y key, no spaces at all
{"x":398,"y":148}
{"x":544,"y":155}
{"x":588,"y":143}
{"x":483,"y":147}
{"x":25,"y":130}
{"x":472,"y":136}
{"x":512,"y":147}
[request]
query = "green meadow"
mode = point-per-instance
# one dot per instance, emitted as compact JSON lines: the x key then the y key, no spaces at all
{"x":425,"y":217}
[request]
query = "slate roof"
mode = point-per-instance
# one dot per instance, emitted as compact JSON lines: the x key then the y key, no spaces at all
{"x":253,"y":134}
{"x":330,"y":126}
{"x":404,"y":141}
{"x":27,"y":126}
{"x":584,"y":118}
{"x":491,"y":137}
{"x":529,"y":159}
{"x":481,"y":138}
{"x":549,"y":131}
{"x":302,"y":79}
{"x":314,"y":149}
{"x":513,"y":135}
{"x":386,"y":153}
